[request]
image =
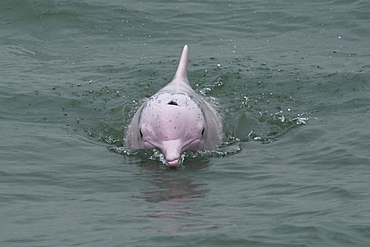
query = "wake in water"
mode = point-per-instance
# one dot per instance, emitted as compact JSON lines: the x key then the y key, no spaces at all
{"x":228,"y":148}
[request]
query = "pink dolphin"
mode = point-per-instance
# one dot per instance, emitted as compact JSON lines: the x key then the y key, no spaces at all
{"x":175,"y":119}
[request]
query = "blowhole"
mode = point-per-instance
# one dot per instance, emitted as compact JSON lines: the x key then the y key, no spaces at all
{"x":172,"y":103}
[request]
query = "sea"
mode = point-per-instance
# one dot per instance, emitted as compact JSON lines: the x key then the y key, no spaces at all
{"x":291,"y":80}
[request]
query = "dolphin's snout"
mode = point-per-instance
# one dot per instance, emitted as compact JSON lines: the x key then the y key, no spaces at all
{"x":172,"y":152}
{"x":172,"y":158}
{"x":174,"y":162}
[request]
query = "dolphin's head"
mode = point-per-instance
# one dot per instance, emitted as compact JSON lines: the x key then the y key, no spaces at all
{"x":173,"y":123}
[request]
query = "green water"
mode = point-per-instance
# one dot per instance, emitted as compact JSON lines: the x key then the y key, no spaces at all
{"x":291,"y":79}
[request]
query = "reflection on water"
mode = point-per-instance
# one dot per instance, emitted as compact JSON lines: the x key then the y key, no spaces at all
{"x":174,"y":196}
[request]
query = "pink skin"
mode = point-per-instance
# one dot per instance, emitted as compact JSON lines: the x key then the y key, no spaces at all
{"x":175,"y":119}
{"x":172,"y":123}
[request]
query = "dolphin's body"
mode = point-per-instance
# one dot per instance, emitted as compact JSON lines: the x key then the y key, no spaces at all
{"x":175,"y":119}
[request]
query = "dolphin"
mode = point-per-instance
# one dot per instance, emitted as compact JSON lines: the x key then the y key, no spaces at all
{"x":175,"y":119}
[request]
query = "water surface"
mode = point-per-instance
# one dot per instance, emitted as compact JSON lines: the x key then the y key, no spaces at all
{"x":291,"y":79}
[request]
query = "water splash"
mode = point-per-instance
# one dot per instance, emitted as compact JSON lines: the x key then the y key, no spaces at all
{"x":226,"y":149}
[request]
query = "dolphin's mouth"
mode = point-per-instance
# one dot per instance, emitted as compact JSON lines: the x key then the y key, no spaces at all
{"x":173,"y":163}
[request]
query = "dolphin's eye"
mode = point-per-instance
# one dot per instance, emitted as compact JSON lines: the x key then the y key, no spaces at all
{"x":203,"y":132}
{"x":141,"y":133}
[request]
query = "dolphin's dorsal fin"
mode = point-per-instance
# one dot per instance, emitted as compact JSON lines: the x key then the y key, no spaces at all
{"x":182,"y":68}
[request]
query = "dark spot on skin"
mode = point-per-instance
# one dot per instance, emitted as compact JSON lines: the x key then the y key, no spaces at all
{"x":203,"y":132}
{"x":172,"y":103}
